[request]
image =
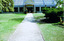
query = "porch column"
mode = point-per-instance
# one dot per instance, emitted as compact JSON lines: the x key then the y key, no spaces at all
{"x":24,"y":8}
{"x":18,"y":9}
{"x":34,"y":9}
{"x":40,"y":9}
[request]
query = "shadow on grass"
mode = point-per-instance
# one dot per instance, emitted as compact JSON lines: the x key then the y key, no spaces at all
{"x":59,"y":25}
{"x":46,"y":21}
{"x":54,"y":21}
{"x":18,"y":19}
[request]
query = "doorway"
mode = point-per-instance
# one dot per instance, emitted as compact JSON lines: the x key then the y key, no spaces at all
{"x":30,"y":9}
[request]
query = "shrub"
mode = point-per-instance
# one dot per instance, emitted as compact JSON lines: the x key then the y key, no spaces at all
{"x":45,"y":9}
{"x":53,"y":13}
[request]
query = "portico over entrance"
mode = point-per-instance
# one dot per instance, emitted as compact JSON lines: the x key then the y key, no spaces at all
{"x":29,"y":8}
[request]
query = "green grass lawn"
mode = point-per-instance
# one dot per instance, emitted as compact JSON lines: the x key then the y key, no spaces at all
{"x":8,"y":23}
{"x":38,"y":16}
{"x":50,"y":31}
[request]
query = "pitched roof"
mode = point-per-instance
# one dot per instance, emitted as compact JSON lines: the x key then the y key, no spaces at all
{"x":18,"y":3}
{"x":36,"y":3}
{"x":39,"y":3}
{"x":29,"y":2}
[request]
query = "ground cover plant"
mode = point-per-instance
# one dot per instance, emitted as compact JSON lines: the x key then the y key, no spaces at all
{"x":38,"y":15}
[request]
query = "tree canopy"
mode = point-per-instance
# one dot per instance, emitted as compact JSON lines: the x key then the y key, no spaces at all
{"x":6,"y":5}
{"x":59,"y":1}
{"x":1,"y":5}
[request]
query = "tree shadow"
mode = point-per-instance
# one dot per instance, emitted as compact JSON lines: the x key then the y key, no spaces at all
{"x":49,"y":20}
{"x":53,"y":21}
{"x":18,"y":19}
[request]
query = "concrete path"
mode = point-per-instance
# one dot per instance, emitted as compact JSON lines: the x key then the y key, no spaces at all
{"x":27,"y":31}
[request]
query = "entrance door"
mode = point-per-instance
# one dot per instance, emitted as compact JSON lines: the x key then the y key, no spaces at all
{"x":30,"y":9}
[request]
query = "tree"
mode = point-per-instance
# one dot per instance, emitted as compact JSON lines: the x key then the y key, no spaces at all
{"x":1,"y":6}
{"x":59,"y":1}
{"x":8,"y":5}
{"x":11,"y":5}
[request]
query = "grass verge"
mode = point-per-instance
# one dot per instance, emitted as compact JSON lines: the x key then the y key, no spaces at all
{"x":50,"y":31}
{"x":7,"y":24}
{"x":38,"y":15}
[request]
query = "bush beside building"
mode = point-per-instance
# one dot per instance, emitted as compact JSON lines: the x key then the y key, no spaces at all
{"x":55,"y":14}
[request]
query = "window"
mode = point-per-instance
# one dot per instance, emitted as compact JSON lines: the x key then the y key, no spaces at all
{"x":37,"y":9}
{"x":21,"y":9}
{"x":16,"y":9}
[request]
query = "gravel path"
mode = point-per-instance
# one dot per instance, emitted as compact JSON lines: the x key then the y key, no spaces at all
{"x":27,"y":31}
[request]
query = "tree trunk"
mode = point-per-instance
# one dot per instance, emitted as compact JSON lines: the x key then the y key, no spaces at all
{"x":60,"y":20}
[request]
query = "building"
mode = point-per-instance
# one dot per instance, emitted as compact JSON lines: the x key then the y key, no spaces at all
{"x":32,"y":5}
